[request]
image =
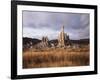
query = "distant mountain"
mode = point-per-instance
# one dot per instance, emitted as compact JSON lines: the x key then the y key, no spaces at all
{"x":28,"y":40}
{"x":81,"y":41}
{"x":54,"y":41}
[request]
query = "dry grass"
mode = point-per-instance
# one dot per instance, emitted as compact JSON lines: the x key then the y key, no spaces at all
{"x":58,"y":57}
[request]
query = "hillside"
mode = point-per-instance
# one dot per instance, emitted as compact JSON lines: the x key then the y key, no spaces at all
{"x":55,"y":41}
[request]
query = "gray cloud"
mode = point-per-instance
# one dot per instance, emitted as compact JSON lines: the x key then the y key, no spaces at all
{"x":38,"y":24}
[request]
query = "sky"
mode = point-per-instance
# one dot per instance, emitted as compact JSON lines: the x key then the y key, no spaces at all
{"x":38,"y":23}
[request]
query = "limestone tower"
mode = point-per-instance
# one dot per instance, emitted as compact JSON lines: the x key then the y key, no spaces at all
{"x":45,"y":41}
{"x":61,"y":39}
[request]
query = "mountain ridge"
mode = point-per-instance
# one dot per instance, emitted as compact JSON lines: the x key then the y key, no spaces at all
{"x":35,"y":41}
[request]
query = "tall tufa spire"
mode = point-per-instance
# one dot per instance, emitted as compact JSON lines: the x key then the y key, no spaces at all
{"x":63,"y":28}
{"x":61,"y":40}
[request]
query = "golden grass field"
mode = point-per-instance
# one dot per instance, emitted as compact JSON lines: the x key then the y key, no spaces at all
{"x":56,"y":57}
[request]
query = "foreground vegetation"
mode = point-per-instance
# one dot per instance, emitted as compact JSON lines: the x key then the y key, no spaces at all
{"x":56,"y":57}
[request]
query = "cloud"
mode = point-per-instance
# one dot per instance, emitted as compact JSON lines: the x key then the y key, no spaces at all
{"x":38,"y":33}
{"x":38,"y":24}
